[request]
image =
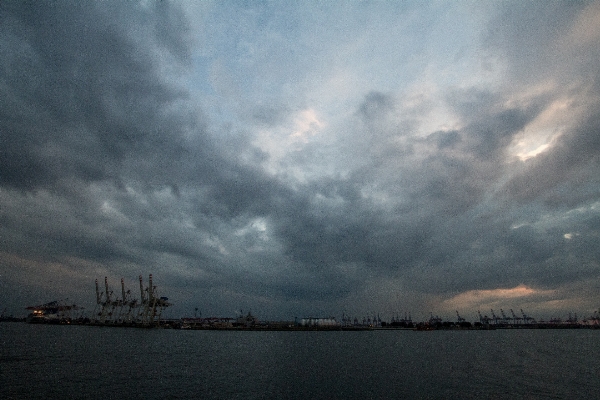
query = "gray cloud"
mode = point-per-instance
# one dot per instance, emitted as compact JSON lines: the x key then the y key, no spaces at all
{"x":82,"y":95}
{"x":110,"y":165}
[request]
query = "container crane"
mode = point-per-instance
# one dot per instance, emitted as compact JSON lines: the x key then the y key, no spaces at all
{"x":572,"y":319}
{"x":494,"y":317}
{"x":125,"y":301}
{"x":104,"y":303}
{"x":154,"y":304}
{"x":121,"y":302}
{"x":515,"y":318}
{"x":144,"y":301}
{"x":485,"y":319}
{"x":121,"y":308}
{"x":526,"y":318}
{"x":98,"y":300}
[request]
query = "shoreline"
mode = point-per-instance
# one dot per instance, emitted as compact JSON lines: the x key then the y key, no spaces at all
{"x":285,"y":326}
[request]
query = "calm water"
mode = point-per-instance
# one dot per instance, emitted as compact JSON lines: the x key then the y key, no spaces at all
{"x":44,"y":361}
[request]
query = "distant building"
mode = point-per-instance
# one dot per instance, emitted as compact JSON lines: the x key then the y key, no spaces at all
{"x":319,"y":322}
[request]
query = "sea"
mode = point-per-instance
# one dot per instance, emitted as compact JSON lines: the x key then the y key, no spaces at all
{"x":91,"y":362}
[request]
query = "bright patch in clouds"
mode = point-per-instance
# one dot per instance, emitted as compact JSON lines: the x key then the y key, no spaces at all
{"x":291,"y":137}
{"x":474,"y":299}
{"x":306,"y":125}
{"x":545,"y":130}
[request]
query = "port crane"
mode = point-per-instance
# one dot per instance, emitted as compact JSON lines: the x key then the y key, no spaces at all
{"x":485,"y":319}
{"x":494,"y":317}
{"x":526,"y":318}
{"x":103,"y":300}
{"x":515,"y":318}
{"x":120,"y":303}
{"x":152,"y":304}
{"x":127,"y":304}
{"x":434,"y":320}
{"x":121,"y":310}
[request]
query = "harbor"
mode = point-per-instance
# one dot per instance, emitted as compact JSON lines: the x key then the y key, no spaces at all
{"x":123,"y":309}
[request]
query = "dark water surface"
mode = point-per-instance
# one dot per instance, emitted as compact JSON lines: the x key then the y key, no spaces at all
{"x":51,"y":361}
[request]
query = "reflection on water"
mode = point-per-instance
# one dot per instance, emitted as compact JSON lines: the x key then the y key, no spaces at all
{"x":53,"y":361}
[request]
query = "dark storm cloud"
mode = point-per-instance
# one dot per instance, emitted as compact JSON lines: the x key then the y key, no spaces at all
{"x":436,"y":174}
{"x":517,"y":232}
{"x":107,"y":166}
{"x":81,"y":93}
{"x":86,"y":103}
{"x":83,"y":103}
{"x":455,"y":228}
{"x":344,"y":226}
{"x":101,"y":158}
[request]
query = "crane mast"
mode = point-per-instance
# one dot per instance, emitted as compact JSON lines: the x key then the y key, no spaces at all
{"x":107,"y":292}
{"x":142,"y":290}
{"x":515,"y":318}
{"x":97,"y":293}
{"x":494,"y":317}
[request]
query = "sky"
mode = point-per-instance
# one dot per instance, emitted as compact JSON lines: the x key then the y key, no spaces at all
{"x":300,"y":159}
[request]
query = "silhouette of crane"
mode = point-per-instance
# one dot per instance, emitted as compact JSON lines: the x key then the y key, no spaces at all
{"x":527,"y":319}
{"x":515,"y":318}
{"x":494,"y":317}
{"x":484,"y":320}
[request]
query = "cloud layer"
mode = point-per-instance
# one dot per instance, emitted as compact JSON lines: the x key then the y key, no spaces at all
{"x":302,"y":159}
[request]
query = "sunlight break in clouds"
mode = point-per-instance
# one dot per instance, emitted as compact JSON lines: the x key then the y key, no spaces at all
{"x":544,"y":131}
{"x":278,"y":142}
{"x":473,"y":299}
{"x":307,"y":124}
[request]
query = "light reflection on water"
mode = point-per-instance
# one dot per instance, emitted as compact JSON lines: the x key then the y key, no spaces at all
{"x":47,"y":361}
